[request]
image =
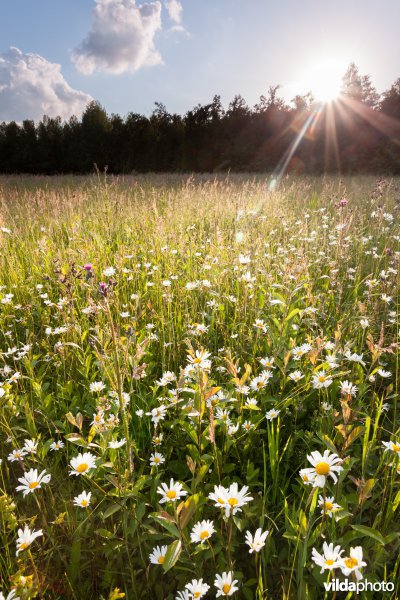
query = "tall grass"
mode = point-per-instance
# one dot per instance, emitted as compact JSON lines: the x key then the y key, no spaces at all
{"x":120,"y":281}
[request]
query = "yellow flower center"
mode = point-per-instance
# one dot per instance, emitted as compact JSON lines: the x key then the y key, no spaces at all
{"x":226,"y":587}
{"x":350,"y":562}
{"x":84,"y":503}
{"x":329,"y":562}
{"x":161,"y":560}
{"x":33,"y":485}
{"x":82,"y":467}
{"x":221,"y":500}
{"x":232,"y":501}
{"x":197,"y":595}
{"x":260,"y":384}
{"x":305,"y":478}
{"x":197,"y":361}
{"x":24,"y":546}
{"x":156,"y":459}
{"x":322,"y":468}
{"x":321,"y":378}
{"x":204,"y":535}
{"x":171,"y":494}
{"x":396,"y":448}
{"x":328,"y":505}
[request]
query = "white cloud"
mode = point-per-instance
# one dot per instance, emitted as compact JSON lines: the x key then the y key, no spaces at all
{"x":121,"y":37}
{"x":31,"y":86}
{"x":174,"y":8}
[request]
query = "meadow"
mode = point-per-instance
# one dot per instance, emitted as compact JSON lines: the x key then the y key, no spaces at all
{"x":199,"y":385}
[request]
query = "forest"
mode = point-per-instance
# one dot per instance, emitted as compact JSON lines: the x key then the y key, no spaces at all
{"x":359,"y":132}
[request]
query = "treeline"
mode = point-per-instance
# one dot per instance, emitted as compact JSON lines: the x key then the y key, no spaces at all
{"x":360,"y":131}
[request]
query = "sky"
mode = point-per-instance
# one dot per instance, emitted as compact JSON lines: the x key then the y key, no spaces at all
{"x":56,"y":56}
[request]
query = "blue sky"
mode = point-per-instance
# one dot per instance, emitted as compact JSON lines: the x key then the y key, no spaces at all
{"x":184,"y":57}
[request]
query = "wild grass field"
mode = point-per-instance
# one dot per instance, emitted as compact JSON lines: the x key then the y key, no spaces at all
{"x":199,"y":387}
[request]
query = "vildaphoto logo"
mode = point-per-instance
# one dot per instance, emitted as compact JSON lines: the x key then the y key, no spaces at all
{"x":358,"y":586}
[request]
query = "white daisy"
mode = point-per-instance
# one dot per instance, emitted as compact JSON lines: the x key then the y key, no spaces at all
{"x":225,"y":584}
{"x":172,"y":492}
{"x":26,"y":537}
{"x":82,"y":463}
{"x":83,"y":499}
{"x":323,"y":465}
{"x":258,"y":541}
{"x":353,"y":563}
{"x":157,"y":557}
{"x":32,"y":481}
{"x":330,"y":559}
{"x":202,"y":531}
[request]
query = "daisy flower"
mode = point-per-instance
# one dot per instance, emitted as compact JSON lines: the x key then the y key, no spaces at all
{"x":16,"y":455}
{"x":10,"y":596}
{"x":202,"y":531}
{"x":26,"y":537}
{"x":329,"y":559}
{"x":267,"y":362}
{"x":184,"y":595}
{"x":328,"y":505}
{"x":97,"y":386}
{"x":156,"y":459}
{"x":393,"y":446}
{"x":225,"y":584}
{"x":322,"y":466}
{"x":83,"y":499}
{"x":197,"y":588}
{"x":172,"y":492}
{"x":321,"y":380}
{"x":157,"y":557}
{"x":260,"y":382}
{"x":231,"y":499}
{"x":296,"y":375}
{"x":258,"y":541}
{"x":306,"y":476}
{"x":347,"y":388}
{"x":56,"y":445}
{"x":82,"y":463}
{"x":353,"y":563}
{"x":117,"y":443}
{"x":200,"y":360}
{"x":32,"y":481}
{"x":272,"y":414}
{"x":157,"y":414}
{"x":30,"y":446}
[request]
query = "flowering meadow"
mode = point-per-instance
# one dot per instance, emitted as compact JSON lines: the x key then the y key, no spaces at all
{"x":199,"y":386}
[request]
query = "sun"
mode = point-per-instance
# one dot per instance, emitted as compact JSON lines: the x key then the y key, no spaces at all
{"x":324,"y":79}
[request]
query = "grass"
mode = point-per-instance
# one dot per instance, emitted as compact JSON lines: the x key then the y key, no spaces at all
{"x":191,"y":283}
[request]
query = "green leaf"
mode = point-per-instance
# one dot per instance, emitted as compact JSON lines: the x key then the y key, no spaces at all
{"x":168,"y":524}
{"x":188,"y":509}
{"x":172,"y":555}
{"x":368,"y":531}
{"x":110,"y":510}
